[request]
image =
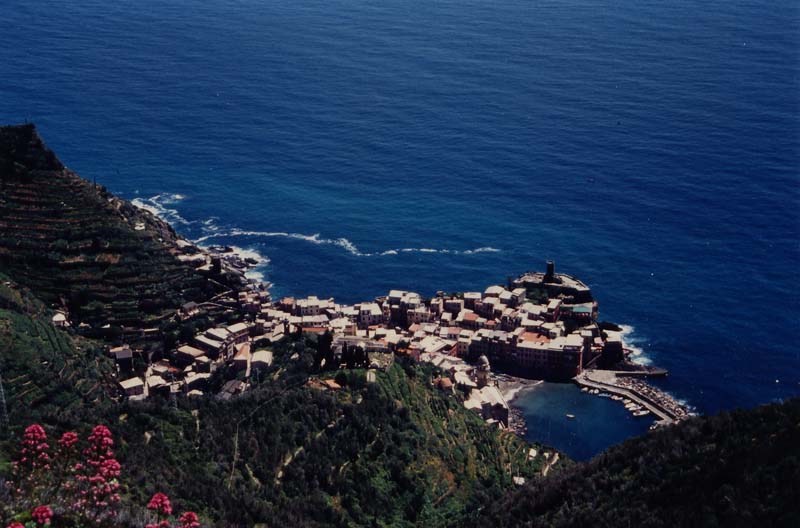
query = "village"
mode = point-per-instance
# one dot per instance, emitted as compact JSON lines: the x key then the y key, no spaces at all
{"x":540,"y":325}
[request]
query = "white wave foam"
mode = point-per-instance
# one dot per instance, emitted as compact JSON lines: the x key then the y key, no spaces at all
{"x":158,"y":206}
{"x":633,"y":343}
{"x":342,"y":242}
{"x":482,"y":250}
{"x":255,"y":275}
{"x":147,"y":207}
{"x":257,"y":272}
{"x":246,"y":253}
{"x":210,"y":224}
{"x":169,"y":198}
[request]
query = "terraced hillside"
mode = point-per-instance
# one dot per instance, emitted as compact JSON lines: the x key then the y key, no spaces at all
{"x":76,"y":245}
{"x":46,"y":373}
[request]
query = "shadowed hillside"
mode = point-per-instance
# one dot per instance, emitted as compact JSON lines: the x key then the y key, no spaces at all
{"x":736,"y":469}
{"x":78,"y":246}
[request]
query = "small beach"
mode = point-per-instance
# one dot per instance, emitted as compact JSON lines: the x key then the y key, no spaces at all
{"x":512,"y":388}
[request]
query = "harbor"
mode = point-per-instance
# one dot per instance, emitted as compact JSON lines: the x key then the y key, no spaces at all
{"x":638,"y":397}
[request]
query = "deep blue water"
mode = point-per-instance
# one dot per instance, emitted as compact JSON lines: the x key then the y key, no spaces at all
{"x":651,"y":148}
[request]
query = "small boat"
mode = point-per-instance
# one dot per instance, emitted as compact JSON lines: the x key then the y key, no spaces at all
{"x":584,"y":389}
{"x":616,"y":398}
{"x":643,"y":412}
{"x":604,"y":395}
{"x":570,"y":416}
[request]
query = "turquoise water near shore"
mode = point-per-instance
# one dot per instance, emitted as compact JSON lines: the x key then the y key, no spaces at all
{"x":650,"y":148}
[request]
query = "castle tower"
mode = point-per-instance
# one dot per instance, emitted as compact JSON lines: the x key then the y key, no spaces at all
{"x":551,"y":271}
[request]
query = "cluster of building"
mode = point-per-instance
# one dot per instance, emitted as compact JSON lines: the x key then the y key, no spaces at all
{"x":188,"y":367}
{"x":543,"y":324}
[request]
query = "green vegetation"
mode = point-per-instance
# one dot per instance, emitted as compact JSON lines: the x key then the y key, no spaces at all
{"x":735,"y":469}
{"x":396,"y":452}
{"x":392,"y":453}
{"x":46,"y":372}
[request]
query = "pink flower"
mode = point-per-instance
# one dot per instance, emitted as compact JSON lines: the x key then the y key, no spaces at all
{"x":68,"y":439}
{"x":189,"y":520}
{"x":33,"y":449}
{"x":160,"y":503}
{"x":109,"y":468}
{"x":96,"y":478}
{"x":35,"y":433}
{"x":15,"y":525}
{"x":42,"y":514}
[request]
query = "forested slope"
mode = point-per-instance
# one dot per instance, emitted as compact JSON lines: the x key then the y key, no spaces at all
{"x":737,"y":469}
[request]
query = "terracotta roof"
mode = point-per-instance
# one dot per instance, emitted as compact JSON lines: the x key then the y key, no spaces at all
{"x":531,"y":336}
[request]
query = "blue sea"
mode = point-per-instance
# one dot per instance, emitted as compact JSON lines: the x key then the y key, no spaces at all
{"x":650,"y":148}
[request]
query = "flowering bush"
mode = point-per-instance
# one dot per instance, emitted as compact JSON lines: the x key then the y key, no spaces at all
{"x":189,"y":520}
{"x":42,"y":514}
{"x":97,"y":489}
{"x":68,"y":440}
{"x":160,"y":504}
{"x":162,"y":507}
{"x":75,"y":490}
{"x":31,"y":470}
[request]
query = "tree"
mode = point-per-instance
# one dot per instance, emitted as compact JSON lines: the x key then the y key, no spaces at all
{"x":325,"y":350}
{"x":361,"y":358}
{"x":348,"y":356}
